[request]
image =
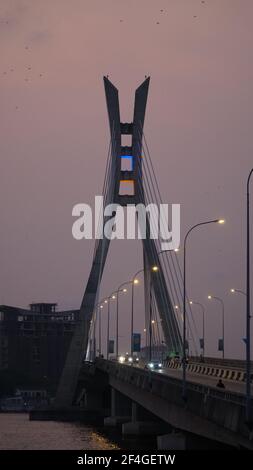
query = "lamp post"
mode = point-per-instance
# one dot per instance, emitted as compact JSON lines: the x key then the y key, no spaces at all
{"x":120,"y":289}
{"x":203,"y":324}
{"x":99,"y":331}
{"x":220,"y":221}
{"x":210,"y":297}
{"x":154,"y":269}
{"x":111,"y":297}
{"x":248,"y":366}
{"x":93,"y":340}
{"x":134,"y":281}
{"x":98,"y":307}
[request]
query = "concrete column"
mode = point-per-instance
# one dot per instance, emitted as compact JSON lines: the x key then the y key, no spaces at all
{"x":134,"y":412}
{"x":113,"y":402}
{"x":91,"y":400}
{"x":140,"y":427}
{"x":171,"y":441}
{"x":120,"y":412}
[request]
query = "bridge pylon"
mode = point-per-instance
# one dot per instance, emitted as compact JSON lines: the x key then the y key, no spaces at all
{"x":124,"y":185}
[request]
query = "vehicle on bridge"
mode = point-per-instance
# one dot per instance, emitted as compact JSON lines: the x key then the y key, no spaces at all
{"x":154,"y":365}
{"x":128,"y":359}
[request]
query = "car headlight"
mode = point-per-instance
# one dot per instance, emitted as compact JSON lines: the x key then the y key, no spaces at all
{"x":121,"y":359}
{"x":130,"y":359}
{"x":137,"y":359}
{"x":160,"y":365}
{"x":151,"y":365}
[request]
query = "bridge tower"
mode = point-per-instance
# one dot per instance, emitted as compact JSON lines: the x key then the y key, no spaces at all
{"x":124,"y":186}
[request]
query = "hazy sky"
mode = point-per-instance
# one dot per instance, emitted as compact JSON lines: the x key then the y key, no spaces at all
{"x":54,"y":137}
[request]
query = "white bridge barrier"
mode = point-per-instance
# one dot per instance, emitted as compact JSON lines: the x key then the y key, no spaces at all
{"x":211,"y":370}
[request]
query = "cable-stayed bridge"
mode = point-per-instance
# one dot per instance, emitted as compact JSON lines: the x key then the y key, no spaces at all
{"x":133,"y":390}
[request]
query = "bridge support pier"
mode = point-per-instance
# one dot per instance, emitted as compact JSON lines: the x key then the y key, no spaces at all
{"x":91,"y":400}
{"x":171,"y":441}
{"x":139,"y":427}
{"x":120,"y":409}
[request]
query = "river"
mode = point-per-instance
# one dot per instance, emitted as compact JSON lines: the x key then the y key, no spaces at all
{"x":18,"y":433}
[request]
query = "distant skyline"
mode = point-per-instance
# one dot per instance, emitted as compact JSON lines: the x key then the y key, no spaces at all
{"x":54,"y":139}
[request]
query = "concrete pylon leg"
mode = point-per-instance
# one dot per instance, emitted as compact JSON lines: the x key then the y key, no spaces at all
{"x":119,"y":411}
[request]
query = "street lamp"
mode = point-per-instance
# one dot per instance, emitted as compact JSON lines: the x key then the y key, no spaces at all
{"x":98,"y":307}
{"x":134,"y":282}
{"x":210,"y":297}
{"x":203,"y":325}
{"x":154,"y":269}
{"x":111,"y":297}
{"x":117,"y":313}
{"x":99,"y":330}
{"x":248,"y":365}
{"x":219,"y":221}
{"x":238,"y":291}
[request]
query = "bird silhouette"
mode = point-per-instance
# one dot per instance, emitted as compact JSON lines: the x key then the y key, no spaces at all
{"x":157,"y":22}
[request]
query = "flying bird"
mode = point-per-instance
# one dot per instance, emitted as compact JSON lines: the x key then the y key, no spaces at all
{"x":157,"y":22}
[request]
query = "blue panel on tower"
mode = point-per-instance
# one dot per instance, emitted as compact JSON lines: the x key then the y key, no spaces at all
{"x":127,"y":163}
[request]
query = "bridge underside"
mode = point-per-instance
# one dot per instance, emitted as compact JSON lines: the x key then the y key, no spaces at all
{"x":208,"y":413}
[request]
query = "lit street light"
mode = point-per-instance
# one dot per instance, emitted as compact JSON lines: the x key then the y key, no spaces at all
{"x":210,"y":297}
{"x":117,"y":314}
{"x":107,"y":301}
{"x":219,"y":221}
{"x":134,"y":282}
{"x":202,"y":343}
{"x":238,"y":291}
{"x":248,"y":315}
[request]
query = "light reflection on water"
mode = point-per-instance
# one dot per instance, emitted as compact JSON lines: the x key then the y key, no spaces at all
{"x":18,"y":433}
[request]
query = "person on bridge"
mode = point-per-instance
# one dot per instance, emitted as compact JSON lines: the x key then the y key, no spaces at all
{"x":220,"y":384}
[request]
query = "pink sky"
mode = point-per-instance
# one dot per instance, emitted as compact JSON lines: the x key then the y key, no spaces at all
{"x":54,"y":137}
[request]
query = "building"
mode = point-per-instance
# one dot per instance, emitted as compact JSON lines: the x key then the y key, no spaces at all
{"x":34,"y":343}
